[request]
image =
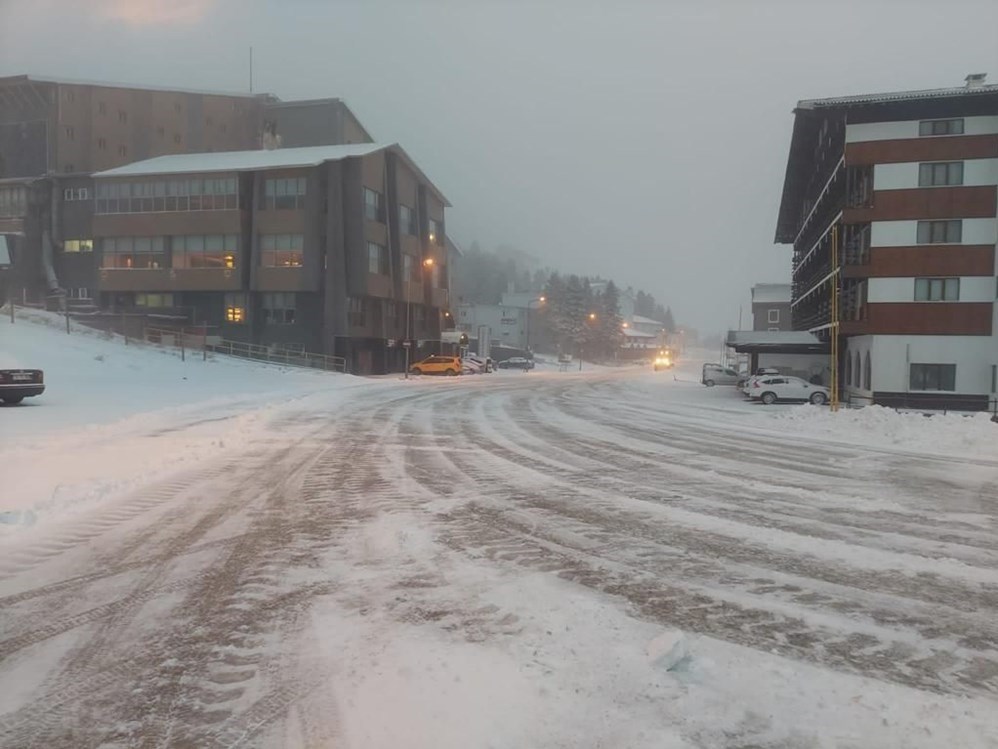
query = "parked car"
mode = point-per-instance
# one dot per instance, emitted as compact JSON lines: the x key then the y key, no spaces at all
{"x":472,"y":364}
{"x":743,"y":379}
{"x":771,"y":389}
{"x":715,"y":374}
{"x":18,"y":384}
{"x":443,"y":365}
{"x":516,"y":362}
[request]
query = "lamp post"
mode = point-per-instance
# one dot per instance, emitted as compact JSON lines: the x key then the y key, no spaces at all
{"x":591,"y":318}
{"x":538,"y":300}
{"x":407,"y":344}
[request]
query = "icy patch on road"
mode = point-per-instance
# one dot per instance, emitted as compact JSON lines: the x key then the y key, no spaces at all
{"x":953,"y":434}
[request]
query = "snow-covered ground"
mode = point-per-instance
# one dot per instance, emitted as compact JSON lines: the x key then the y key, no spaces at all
{"x":614,"y":558}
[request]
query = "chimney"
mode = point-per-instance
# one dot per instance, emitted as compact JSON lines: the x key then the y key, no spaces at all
{"x":975,"y":80}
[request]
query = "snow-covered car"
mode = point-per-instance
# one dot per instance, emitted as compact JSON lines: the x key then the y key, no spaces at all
{"x":771,"y":389}
{"x":715,"y":374}
{"x":18,"y":384}
{"x":472,"y":364}
{"x":516,"y":362}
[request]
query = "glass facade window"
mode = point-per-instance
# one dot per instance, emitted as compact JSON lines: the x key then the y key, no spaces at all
{"x":932,"y":377}
{"x":13,"y":201}
{"x":377,"y":258}
{"x":204,"y":251}
{"x":357,"y":311}
{"x":133,"y":253}
{"x":373,"y":205}
{"x":278,"y":308}
{"x":78,"y":245}
{"x":154,"y":300}
{"x":235,"y":307}
{"x":940,"y":173}
{"x":940,"y":232}
{"x":281,"y":250}
{"x":159,"y":196}
{"x":937,"y":289}
{"x":940,"y":127}
{"x":284,"y":194}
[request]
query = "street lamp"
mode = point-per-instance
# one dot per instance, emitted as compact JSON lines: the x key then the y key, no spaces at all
{"x":592,"y":318}
{"x":538,"y":300}
{"x":427,"y":263}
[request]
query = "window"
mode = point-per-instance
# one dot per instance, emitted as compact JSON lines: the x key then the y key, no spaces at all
{"x":281,"y":250}
{"x":356,"y":311}
{"x":940,"y":127}
{"x":994,"y":378}
{"x":408,"y":261}
{"x":774,"y":315}
{"x":69,"y":194}
{"x":80,"y":292}
{"x":204,"y":251}
{"x":13,"y":201}
{"x":940,"y":173}
{"x":168,"y":196}
{"x":122,"y":150}
{"x":373,"y":205}
{"x":377,"y":258}
{"x":279,"y":308}
{"x":284,"y":194}
{"x":235,"y":307}
{"x":937,"y":289}
{"x":407,"y":220}
{"x":102,"y":107}
{"x":848,"y":368}
{"x":122,"y":115}
{"x":71,"y":133}
{"x":153,"y":300}
{"x":69,"y":168}
{"x":867,"y":372}
{"x":940,"y":232}
{"x":133,"y":253}
{"x":78,"y":245}
{"x":856,"y":372}
{"x":933,"y":377}
{"x":436,"y":231}
{"x":83,"y":193}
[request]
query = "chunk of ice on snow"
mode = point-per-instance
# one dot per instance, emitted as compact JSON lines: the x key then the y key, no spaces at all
{"x":668,"y":650}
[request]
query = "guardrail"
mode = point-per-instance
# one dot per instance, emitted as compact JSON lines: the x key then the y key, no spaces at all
{"x":278,"y":355}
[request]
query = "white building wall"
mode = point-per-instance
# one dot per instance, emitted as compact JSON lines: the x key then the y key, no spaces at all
{"x":507,"y":324}
{"x":905,"y":233}
{"x":891,"y":355}
{"x":972,"y":289}
{"x":976,"y":172}
{"x":854,"y":391}
{"x":898,"y":130}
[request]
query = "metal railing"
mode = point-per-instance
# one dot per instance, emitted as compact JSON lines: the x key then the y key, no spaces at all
{"x":278,"y":355}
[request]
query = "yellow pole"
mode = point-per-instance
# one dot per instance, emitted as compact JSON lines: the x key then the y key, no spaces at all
{"x":834,"y":401}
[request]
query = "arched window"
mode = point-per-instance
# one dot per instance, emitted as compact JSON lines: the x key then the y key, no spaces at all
{"x":848,"y":368}
{"x":855,"y":373}
{"x":867,"y":373}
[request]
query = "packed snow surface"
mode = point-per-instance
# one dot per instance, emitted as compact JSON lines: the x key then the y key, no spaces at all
{"x":222,"y":553}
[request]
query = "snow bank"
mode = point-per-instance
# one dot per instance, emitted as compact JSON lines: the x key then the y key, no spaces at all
{"x":954,"y":434}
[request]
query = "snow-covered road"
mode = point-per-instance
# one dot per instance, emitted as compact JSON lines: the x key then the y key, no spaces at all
{"x":612,"y":559}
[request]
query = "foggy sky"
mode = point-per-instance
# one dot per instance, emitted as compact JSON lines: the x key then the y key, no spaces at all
{"x":642,"y":141}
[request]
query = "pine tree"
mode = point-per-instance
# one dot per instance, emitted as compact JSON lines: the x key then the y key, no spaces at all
{"x":670,"y":323}
{"x":610,"y":324}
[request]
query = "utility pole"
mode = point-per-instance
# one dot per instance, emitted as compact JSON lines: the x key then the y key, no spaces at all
{"x":834,"y":329}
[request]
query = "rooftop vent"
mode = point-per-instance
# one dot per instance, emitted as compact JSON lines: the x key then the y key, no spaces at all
{"x":975,"y":80}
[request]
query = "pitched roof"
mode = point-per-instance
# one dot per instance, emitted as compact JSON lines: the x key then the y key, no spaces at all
{"x":892,"y":96}
{"x":259,"y":160}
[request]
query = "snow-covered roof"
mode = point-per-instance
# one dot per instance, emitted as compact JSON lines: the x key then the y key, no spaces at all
{"x":632,"y":333}
{"x":775,"y":340}
{"x":258,"y":160}
{"x":892,"y":96}
{"x":136,"y":86}
{"x":639,"y":320}
{"x":763,"y":293}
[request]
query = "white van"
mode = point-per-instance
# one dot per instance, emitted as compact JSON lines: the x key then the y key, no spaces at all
{"x":715,"y":374}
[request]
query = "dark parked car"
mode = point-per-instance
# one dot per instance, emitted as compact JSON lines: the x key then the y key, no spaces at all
{"x":516,"y":362}
{"x":18,"y":384}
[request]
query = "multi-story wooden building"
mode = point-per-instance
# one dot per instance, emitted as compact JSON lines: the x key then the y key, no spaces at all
{"x":333,"y":249}
{"x":891,"y":200}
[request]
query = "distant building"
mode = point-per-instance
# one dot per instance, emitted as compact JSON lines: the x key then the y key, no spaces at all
{"x":890,"y":200}
{"x":55,"y":133}
{"x":332,"y":249}
{"x":771,"y":306}
{"x":508,"y":324}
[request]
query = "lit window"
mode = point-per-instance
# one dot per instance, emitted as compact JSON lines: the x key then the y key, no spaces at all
{"x":78,"y":245}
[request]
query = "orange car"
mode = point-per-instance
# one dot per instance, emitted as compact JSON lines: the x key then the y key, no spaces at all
{"x":445,"y":365}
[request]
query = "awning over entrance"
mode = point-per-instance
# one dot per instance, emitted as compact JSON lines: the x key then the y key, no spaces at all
{"x":776,"y":342}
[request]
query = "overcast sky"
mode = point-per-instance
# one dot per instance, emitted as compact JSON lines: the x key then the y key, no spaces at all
{"x":643,"y":141}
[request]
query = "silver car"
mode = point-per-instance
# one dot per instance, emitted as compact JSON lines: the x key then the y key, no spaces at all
{"x":715,"y":374}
